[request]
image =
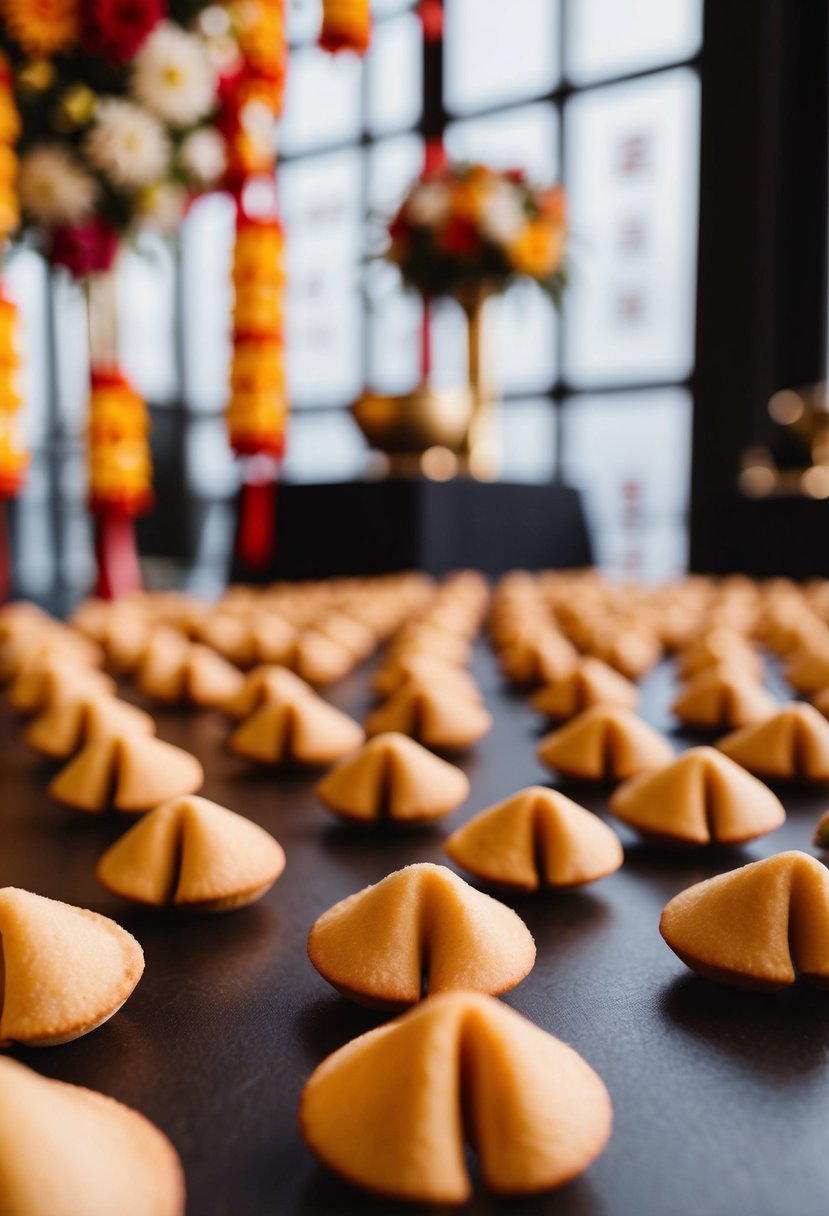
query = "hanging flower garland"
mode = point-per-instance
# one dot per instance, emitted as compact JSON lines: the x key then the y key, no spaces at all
{"x":13,"y":456}
{"x":118,"y":101}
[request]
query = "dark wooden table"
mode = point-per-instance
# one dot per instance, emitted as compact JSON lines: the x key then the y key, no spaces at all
{"x":721,"y":1098}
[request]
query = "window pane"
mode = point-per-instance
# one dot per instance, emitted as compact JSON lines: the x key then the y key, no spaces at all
{"x":528,"y":440}
{"x":146,"y":319}
{"x":394,"y":315}
{"x":630,"y":454}
{"x":526,"y":339}
{"x":632,"y":170}
{"x":395,"y":75}
{"x":324,"y":447}
{"x":212,"y":471}
{"x":380,"y":8}
{"x":303,"y":19}
{"x":393,"y":164}
{"x":526,"y":138}
{"x":322,"y":100}
{"x":34,"y":547}
{"x":77,"y":561}
{"x":26,"y":283}
{"x":207,"y":256}
{"x":499,"y":53}
{"x":606,"y":38}
{"x":322,"y":207}
{"x":71,"y":353}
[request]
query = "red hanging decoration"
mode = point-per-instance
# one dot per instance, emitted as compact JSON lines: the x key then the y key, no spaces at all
{"x":257,"y":409}
{"x":346,"y":26}
{"x":120,"y":478}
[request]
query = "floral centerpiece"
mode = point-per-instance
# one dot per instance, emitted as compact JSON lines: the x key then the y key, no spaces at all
{"x":468,"y":231}
{"x":463,"y":227}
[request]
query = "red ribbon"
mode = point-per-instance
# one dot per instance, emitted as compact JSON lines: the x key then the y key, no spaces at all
{"x":255,"y":542}
{"x":116,"y":556}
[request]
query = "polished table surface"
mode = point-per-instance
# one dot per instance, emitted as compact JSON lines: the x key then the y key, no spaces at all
{"x":721,"y":1098}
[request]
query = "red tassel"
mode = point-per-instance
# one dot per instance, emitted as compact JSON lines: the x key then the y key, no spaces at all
{"x":255,"y":542}
{"x":116,"y":556}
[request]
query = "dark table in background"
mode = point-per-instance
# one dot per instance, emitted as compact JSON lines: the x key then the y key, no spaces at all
{"x":721,"y":1099}
{"x":364,"y":527}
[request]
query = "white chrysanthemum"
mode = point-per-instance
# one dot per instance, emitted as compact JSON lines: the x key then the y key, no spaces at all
{"x":173,"y":76}
{"x":429,"y":204}
{"x":204,"y":155}
{"x":161,"y":207}
{"x":54,"y":188}
{"x":127,"y":144}
{"x":502,"y":214}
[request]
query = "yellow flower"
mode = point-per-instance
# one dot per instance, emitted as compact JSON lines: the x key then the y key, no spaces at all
{"x":537,"y":251}
{"x":42,"y":27}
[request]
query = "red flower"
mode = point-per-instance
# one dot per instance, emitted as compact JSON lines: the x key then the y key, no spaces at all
{"x":399,"y":229}
{"x":460,"y":237}
{"x":86,"y":248}
{"x":116,"y":29}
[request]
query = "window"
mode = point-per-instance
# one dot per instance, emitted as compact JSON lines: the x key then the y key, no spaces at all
{"x":602,"y":95}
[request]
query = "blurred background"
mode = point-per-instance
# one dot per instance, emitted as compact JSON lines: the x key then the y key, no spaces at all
{"x":692,"y":143}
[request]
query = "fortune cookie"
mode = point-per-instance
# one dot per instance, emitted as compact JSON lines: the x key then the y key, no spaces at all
{"x":320,"y":659}
{"x":296,"y":729}
{"x":66,"y":970}
{"x":391,"y":1110}
{"x":702,"y":798}
{"x":65,"y":1150}
{"x":395,"y":672}
{"x":174,"y":670}
{"x":592,"y":682}
{"x":194,"y":855}
{"x":81,"y":718}
{"x":49,"y":678}
{"x":542,"y":659}
{"x":716,"y":647}
{"x":393,"y":778}
{"x":792,"y":745}
{"x":422,"y":929}
{"x":266,"y":683}
{"x":761,"y":926}
{"x":718,"y":698}
{"x":536,"y":838}
{"x":604,"y":743}
{"x":129,"y":771}
{"x":437,"y":715}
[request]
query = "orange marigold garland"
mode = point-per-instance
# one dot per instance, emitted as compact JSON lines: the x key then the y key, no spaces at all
{"x":13,"y":456}
{"x":346,"y":26}
{"x":257,"y":409}
{"x":120,"y":465}
{"x":120,"y":478}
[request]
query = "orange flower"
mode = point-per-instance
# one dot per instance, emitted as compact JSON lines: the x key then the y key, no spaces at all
{"x":261,"y":35}
{"x":42,"y":27}
{"x":346,"y":25}
{"x":538,"y":250}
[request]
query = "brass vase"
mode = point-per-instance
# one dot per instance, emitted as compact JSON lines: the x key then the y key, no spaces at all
{"x":480,"y":453}
{"x":406,"y":427}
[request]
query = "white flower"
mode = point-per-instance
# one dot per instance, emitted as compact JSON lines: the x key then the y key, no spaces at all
{"x":204,"y":155}
{"x":161,"y":207}
{"x":54,"y":188}
{"x":428,"y":205}
{"x":502,"y":214}
{"x":127,"y":144}
{"x":173,"y":76}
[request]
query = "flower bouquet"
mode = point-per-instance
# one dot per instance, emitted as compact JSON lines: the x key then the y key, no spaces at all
{"x":468,"y":231}
{"x":464,"y":227}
